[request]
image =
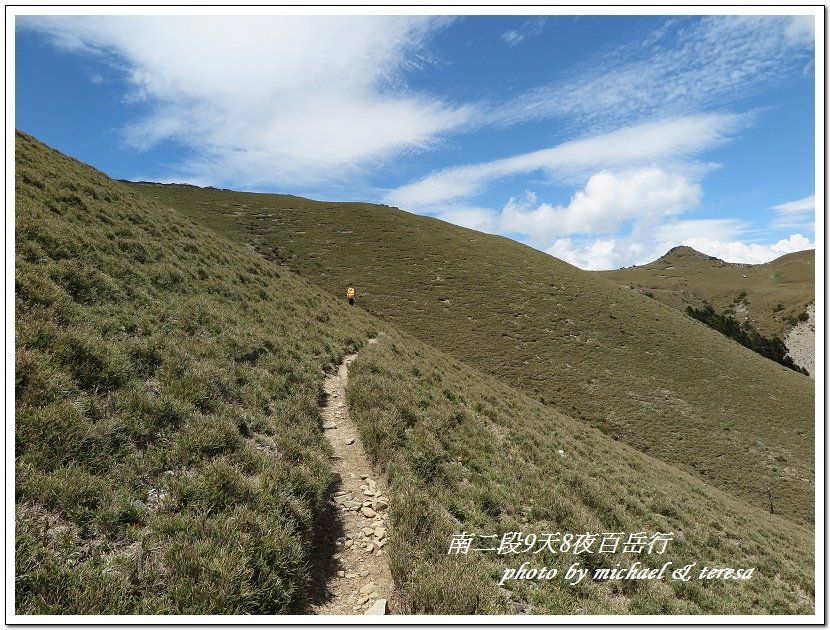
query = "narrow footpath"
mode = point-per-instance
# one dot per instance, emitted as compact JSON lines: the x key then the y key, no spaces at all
{"x":360,"y":581}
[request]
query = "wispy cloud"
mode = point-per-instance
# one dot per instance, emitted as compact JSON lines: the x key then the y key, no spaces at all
{"x":531,"y":28}
{"x":674,"y":140}
{"x":796,"y":215}
{"x":268,"y":100}
{"x":799,"y":206}
{"x":685,"y":65}
{"x":512,"y":37}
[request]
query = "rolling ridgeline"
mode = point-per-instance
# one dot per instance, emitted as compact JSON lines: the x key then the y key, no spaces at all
{"x":170,"y":455}
{"x":642,"y":372}
{"x":774,"y":295}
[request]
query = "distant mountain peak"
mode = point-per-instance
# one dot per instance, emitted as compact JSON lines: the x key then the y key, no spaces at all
{"x":685,"y":251}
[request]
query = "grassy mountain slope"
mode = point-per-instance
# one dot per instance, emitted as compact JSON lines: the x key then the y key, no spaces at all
{"x":771,"y":296}
{"x":170,"y":458}
{"x":169,"y":455}
{"x":466,"y":453}
{"x":639,"y":370}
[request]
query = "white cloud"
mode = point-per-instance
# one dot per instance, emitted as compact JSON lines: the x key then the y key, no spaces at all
{"x":673,"y":140}
{"x":607,"y":202}
{"x":481,"y":219}
{"x":754,"y":253}
{"x":624,"y":218}
{"x":600,"y":254}
{"x":269,"y":99}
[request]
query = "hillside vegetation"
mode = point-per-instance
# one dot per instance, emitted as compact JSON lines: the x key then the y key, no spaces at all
{"x":640,"y":371}
{"x":771,"y":296}
{"x":466,"y":453}
{"x":170,"y":458}
{"x":169,"y":455}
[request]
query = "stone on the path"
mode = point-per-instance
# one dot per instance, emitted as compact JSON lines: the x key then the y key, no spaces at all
{"x":380,"y":532}
{"x":329,"y":425}
{"x":367,"y":512}
{"x":367,"y":588}
{"x":351,"y":576}
{"x":368,"y":531}
{"x":352,"y":505}
{"x":378,"y":608}
{"x":379,"y":505}
{"x":364,"y":476}
{"x":363,"y":599}
{"x":341,"y":574}
{"x":343,"y":499}
{"x":350,"y":441}
{"x":369,"y":493}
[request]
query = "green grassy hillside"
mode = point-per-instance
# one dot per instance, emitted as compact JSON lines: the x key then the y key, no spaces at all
{"x":169,"y":455}
{"x":466,"y":453}
{"x":642,"y":372}
{"x":771,"y":296}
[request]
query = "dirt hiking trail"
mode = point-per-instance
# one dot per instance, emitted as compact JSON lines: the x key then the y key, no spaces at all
{"x":356,"y":535}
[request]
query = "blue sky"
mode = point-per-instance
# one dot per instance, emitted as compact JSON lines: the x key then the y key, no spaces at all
{"x":603,"y":140}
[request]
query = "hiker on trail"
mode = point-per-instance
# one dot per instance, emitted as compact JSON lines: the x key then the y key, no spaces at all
{"x":350,"y":295}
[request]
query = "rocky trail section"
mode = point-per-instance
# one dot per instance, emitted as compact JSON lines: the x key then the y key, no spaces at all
{"x":359,"y":581}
